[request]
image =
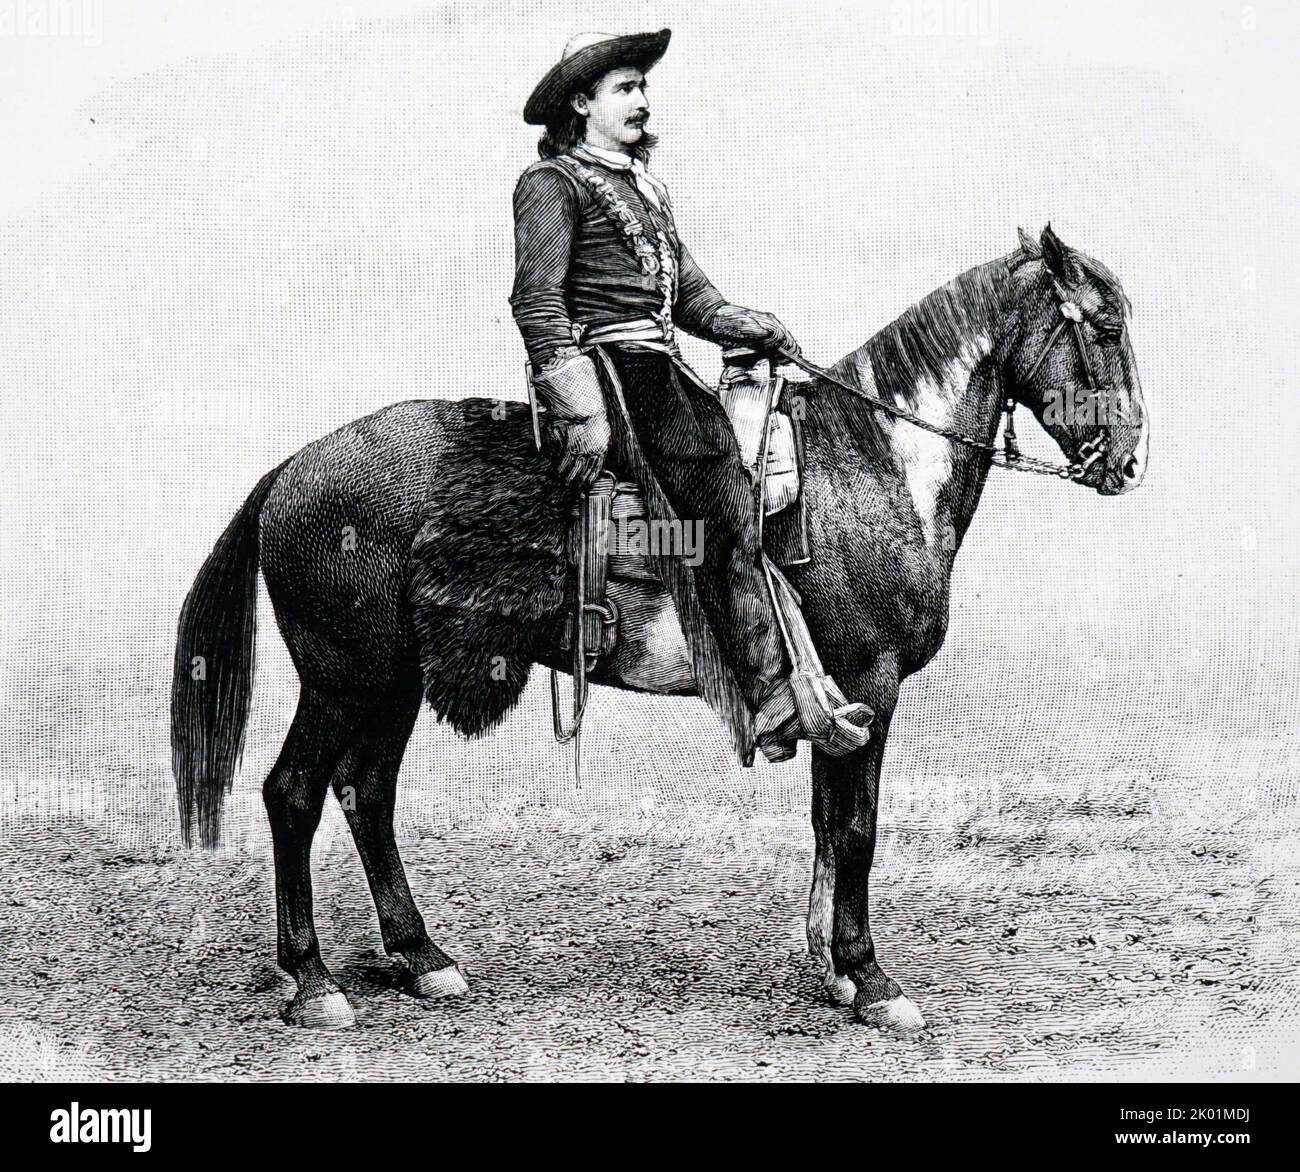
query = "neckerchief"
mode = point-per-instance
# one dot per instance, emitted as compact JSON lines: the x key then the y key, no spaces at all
{"x":646,"y":184}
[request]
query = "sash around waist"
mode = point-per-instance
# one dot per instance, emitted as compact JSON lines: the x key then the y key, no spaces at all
{"x":640,"y":331}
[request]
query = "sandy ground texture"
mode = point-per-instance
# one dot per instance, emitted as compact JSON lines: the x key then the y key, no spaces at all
{"x":1046,"y":938}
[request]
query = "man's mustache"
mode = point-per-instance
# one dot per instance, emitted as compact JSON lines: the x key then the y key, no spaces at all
{"x":638,"y":119}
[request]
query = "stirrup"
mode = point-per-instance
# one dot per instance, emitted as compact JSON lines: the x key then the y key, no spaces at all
{"x":836,"y":725}
{"x":810,"y":707}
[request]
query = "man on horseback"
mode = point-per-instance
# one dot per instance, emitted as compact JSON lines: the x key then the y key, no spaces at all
{"x":602,"y":282}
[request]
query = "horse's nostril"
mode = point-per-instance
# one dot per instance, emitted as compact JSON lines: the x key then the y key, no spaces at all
{"x":1130,"y":467}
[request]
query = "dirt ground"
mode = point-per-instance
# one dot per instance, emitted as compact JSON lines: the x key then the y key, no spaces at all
{"x":1044,"y":939}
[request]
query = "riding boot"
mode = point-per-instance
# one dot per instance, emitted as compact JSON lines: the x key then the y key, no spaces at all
{"x":807,"y":704}
{"x":685,"y":435}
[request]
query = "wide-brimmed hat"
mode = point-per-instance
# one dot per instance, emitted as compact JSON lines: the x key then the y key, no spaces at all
{"x":586,"y":57}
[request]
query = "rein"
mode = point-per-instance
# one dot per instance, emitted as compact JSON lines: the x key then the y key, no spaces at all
{"x":1009,"y":456}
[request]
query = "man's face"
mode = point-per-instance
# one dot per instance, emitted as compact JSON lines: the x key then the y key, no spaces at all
{"x":617,"y":115}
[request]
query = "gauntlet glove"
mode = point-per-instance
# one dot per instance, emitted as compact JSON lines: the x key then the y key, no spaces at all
{"x":575,"y":426}
{"x":736,"y":325}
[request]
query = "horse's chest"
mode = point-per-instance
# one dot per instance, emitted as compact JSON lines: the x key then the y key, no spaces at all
{"x":897,"y":604}
{"x":876,"y":584}
{"x":918,"y":618}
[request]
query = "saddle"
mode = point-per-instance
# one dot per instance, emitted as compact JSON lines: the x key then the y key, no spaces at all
{"x":623,"y":624}
{"x":611,"y":538}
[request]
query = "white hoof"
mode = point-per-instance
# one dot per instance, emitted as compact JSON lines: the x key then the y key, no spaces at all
{"x":841,"y":990}
{"x":899,"y":1015}
{"x":448,"y":982}
{"x":327,"y":1011}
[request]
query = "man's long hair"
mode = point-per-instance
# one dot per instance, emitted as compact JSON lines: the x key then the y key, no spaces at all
{"x":569,"y":129}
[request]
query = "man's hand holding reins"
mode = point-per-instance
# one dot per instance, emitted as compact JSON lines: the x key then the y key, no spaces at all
{"x":736,"y":325}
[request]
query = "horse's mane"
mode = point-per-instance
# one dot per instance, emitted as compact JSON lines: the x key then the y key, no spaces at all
{"x":918,"y":345}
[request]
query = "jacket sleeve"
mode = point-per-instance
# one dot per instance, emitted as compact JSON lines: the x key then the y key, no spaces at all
{"x":697,"y":299}
{"x":546,"y":208}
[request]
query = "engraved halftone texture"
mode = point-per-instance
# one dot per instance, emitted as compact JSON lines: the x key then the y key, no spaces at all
{"x":228,"y":228}
{"x":262,"y":237}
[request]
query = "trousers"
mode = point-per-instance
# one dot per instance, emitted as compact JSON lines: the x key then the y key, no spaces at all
{"x":686,"y":438}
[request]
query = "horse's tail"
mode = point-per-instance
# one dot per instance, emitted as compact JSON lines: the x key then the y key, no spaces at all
{"x":212,"y":683}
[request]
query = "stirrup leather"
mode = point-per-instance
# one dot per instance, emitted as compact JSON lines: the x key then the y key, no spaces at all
{"x":822,"y":714}
{"x":809,"y":704}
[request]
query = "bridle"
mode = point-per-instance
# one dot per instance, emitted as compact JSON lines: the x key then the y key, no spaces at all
{"x":1009,"y":456}
{"x":1072,"y":316}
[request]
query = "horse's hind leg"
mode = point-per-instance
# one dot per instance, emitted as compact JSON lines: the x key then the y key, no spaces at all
{"x":294,"y":795}
{"x":365,"y":783}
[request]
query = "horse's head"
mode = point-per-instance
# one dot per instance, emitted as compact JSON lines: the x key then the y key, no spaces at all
{"x":1069,"y":360}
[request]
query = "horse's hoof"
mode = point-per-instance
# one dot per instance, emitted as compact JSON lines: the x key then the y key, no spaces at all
{"x":841,"y":990}
{"x":325,"y":1011}
{"x":448,"y":982}
{"x":899,"y":1015}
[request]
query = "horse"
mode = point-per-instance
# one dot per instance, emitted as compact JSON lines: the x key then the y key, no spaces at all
{"x":359,"y":534}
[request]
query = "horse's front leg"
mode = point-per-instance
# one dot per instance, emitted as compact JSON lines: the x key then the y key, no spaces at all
{"x":821,"y":901}
{"x":846,"y":793}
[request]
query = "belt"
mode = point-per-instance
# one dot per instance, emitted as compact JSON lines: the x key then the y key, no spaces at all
{"x":643,"y":332}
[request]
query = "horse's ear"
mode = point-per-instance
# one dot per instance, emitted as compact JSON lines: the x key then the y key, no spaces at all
{"x":1029,"y":244}
{"x":1057,"y":257}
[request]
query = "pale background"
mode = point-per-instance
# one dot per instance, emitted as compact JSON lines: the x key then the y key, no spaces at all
{"x":228,"y":228}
